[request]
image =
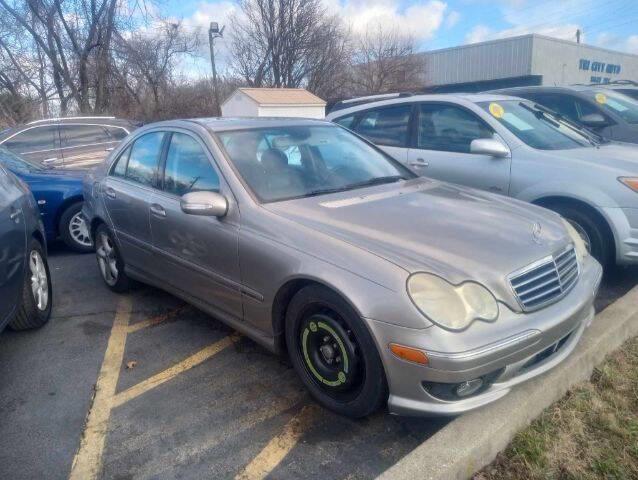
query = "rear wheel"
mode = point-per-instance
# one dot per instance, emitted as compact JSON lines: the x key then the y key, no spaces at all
{"x":110,"y":261}
{"x":74,"y":229}
{"x":334,"y":354}
{"x":592,"y":230}
{"x":35,"y":308}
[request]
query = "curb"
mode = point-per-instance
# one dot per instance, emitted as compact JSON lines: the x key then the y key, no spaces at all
{"x":473,"y":440}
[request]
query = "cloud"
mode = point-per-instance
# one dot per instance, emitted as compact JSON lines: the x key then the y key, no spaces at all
{"x":481,"y":33}
{"x":420,"y":20}
{"x":632,"y":44}
{"x":452,"y":19}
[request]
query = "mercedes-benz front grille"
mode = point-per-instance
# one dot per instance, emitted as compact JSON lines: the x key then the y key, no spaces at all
{"x":545,"y":281}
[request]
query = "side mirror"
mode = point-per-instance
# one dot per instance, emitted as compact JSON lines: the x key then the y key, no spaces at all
{"x":489,"y":146}
{"x":593,"y":120}
{"x":207,"y":204}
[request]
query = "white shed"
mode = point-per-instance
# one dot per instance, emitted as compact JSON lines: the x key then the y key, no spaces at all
{"x":273,"y":102}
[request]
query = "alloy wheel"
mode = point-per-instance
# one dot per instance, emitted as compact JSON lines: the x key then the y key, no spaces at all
{"x":583,"y":234}
{"x":39,"y":280}
{"x":107,"y":259}
{"x":79,"y":230}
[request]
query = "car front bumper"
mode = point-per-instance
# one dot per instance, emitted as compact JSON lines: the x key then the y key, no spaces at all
{"x":624,"y":222}
{"x":546,"y":337}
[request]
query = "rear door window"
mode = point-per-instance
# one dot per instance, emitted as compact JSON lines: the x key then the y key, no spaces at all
{"x":386,"y":126}
{"x":144,"y":158}
{"x":82,"y":135}
{"x":34,"y":139}
{"x":346,"y":121}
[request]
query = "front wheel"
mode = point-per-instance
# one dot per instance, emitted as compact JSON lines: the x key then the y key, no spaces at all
{"x":591,"y":229}
{"x":334,"y":354}
{"x":74,"y":229}
{"x":35,"y":309}
{"x":110,"y":261}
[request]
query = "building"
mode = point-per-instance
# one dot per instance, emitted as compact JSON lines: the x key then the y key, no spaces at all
{"x":525,"y":60}
{"x":273,"y":102}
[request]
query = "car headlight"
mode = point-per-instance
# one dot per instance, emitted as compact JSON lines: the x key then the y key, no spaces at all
{"x":579,"y":243}
{"x":453,"y":307}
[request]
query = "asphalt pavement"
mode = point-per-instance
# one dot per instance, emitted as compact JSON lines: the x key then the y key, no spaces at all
{"x":189,"y":399}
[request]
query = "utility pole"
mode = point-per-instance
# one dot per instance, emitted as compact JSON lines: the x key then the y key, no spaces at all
{"x":215,"y":32}
{"x":578,"y":33}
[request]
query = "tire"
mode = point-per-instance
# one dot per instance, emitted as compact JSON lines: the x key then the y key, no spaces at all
{"x":74,"y":230}
{"x":334,"y":354}
{"x":37,"y":294}
{"x":110,"y":261}
{"x":593,"y":230}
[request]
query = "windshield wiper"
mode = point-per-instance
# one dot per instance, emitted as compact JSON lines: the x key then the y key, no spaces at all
{"x":540,"y":114}
{"x":351,"y":186}
{"x":592,"y":137}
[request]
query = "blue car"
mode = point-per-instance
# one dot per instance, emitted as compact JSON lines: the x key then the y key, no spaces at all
{"x":59,"y":197}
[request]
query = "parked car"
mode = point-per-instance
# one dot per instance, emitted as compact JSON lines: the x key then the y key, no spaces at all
{"x":59,"y":195}
{"x":25,"y":283}
{"x":381,"y":285}
{"x":512,"y":147}
{"x":74,"y":142}
{"x":626,"y":87}
{"x":608,"y":112}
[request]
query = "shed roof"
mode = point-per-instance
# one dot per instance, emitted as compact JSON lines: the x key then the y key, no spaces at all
{"x":282,"y":96}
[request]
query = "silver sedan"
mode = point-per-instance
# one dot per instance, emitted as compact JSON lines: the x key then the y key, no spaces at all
{"x":380,"y":285}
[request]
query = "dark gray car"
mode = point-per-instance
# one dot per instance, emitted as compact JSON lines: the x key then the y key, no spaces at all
{"x":606,"y":111}
{"x":72,"y":142}
{"x":25,"y":283}
{"x":382,"y":286}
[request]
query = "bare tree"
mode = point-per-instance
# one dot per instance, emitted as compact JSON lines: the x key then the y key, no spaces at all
{"x":282,"y":43}
{"x":144,"y":62}
{"x":385,"y":60}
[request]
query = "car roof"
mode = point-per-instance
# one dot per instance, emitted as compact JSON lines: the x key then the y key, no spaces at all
{"x":220,"y":124}
{"x":540,"y":88}
{"x":432,"y":97}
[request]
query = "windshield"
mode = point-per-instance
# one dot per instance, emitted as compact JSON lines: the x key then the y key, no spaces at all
{"x":614,"y":102}
{"x":291,"y":162}
{"x":15,"y":163}
{"x":534,"y":127}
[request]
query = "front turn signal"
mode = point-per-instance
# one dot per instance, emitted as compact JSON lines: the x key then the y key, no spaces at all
{"x":631,"y":182}
{"x":409,"y":354}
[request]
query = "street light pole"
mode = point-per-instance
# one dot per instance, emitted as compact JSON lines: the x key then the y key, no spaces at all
{"x":215,"y":32}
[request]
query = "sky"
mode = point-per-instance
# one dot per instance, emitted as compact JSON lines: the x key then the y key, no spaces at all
{"x":447,"y":23}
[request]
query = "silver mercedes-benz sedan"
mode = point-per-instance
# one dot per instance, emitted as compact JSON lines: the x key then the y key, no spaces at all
{"x":381,"y":286}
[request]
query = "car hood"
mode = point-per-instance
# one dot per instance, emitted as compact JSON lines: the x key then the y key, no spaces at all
{"x":615,"y":156}
{"x":426,"y":225}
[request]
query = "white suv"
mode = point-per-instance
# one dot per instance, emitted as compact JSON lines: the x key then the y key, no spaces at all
{"x":514,"y":147}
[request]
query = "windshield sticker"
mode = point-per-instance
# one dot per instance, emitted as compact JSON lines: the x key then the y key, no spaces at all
{"x":616,"y":105}
{"x":601,"y":98}
{"x":497,"y":110}
{"x":517,"y":123}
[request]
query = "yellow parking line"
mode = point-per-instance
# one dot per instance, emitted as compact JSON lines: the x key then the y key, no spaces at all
{"x":168,"y":374}
{"x":88,"y":459}
{"x":154,"y":320}
{"x":275,"y":451}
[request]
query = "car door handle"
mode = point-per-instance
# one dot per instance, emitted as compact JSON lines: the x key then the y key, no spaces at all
{"x":158,"y":210}
{"x":419,"y":162}
{"x":109,"y":149}
{"x":15,"y":214}
{"x":46,"y":161}
{"x":109,"y":192}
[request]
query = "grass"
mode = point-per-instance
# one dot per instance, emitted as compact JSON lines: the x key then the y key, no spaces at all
{"x":591,"y":433}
